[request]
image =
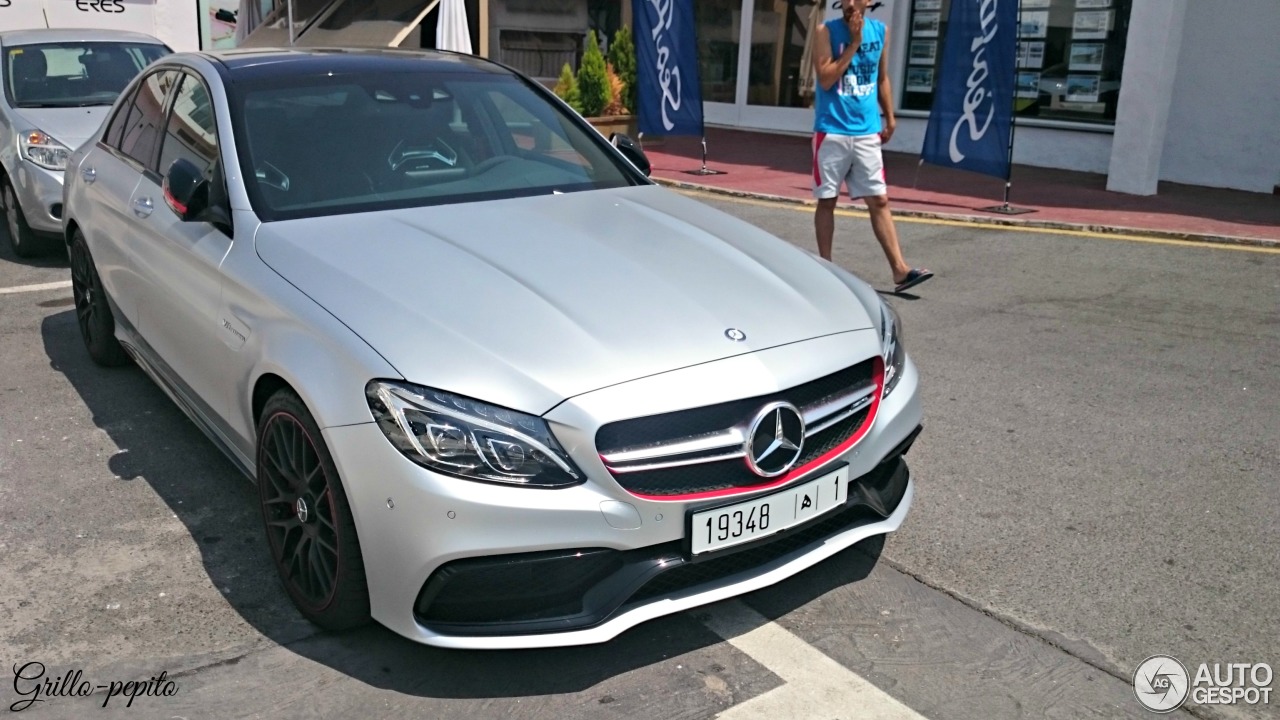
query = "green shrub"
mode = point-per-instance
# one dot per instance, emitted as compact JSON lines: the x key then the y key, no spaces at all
{"x":567,"y":88}
{"x":622,"y":55}
{"x":593,"y":80}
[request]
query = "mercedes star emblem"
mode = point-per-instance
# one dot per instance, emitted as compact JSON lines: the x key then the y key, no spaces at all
{"x":774,"y":439}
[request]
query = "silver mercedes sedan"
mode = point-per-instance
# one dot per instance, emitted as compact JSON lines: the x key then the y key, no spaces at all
{"x":495,"y":387}
{"x":58,"y":87}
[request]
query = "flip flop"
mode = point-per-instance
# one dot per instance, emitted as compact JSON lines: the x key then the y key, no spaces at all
{"x":914,"y":278}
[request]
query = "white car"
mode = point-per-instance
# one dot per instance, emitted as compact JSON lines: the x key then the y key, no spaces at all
{"x":58,"y":86}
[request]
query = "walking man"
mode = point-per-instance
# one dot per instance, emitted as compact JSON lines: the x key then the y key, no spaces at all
{"x":850,"y":61}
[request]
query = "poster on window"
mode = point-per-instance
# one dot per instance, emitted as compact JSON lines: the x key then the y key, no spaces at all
{"x":1028,"y":85}
{"x":923,"y":52}
{"x":1082,"y":88}
{"x":1086,"y":57}
{"x":218,"y":23}
{"x":919,"y":79}
{"x":1031,"y":54}
{"x":928,"y":4}
{"x":1092,"y":25}
{"x":1034,"y":24}
{"x":926,"y":24}
{"x":1093,"y":3}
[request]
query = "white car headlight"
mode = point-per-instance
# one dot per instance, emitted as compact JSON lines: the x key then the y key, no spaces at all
{"x":894,"y":352}
{"x":43,"y":150}
{"x":470,"y":439}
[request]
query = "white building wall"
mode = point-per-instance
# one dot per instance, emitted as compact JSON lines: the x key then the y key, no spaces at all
{"x":1150,"y":70}
{"x":175,"y":22}
{"x":1224,"y":122}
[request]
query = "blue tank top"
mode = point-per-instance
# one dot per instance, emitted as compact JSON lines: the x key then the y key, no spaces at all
{"x":852,"y":106}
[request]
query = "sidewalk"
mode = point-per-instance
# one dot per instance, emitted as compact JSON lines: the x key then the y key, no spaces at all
{"x":779,"y":166}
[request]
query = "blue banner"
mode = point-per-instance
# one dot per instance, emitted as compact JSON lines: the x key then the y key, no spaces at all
{"x":972,"y":111}
{"x":669,"y":92}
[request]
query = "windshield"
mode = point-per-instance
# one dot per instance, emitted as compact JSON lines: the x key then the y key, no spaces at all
{"x":323,"y":145}
{"x":73,"y":74}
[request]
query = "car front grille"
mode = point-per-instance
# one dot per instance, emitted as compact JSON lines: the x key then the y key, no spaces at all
{"x":701,"y":451}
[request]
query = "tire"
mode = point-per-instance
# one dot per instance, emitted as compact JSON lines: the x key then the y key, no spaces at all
{"x":93,"y":312}
{"x":311,"y":533}
{"x":23,"y":240}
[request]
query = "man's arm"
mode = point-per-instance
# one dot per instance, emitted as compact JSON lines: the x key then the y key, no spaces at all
{"x":886,"y":92}
{"x":829,"y":70}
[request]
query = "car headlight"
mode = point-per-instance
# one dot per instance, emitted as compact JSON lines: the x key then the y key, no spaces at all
{"x":469,"y":439}
{"x":43,"y":150}
{"x":891,"y":347}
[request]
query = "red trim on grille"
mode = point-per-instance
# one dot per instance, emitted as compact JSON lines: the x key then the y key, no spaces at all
{"x":797,"y":472}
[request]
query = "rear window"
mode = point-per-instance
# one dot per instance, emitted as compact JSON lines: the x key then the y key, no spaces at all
{"x":354,"y":143}
{"x":73,"y":74}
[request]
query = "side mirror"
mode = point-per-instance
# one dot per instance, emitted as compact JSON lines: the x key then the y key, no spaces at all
{"x":186,"y":191}
{"x":631,"y":149}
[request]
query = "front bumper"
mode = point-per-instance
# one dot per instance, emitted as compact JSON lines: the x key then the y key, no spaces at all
{"x":412,"y":522}
{"x":577,"y":591}
{"x":40,"y":194}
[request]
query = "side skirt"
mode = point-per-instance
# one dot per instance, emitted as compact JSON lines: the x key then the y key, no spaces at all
{"x":181,"y":394}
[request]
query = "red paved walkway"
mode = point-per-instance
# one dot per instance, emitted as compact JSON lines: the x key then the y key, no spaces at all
{"x":779,"y":165}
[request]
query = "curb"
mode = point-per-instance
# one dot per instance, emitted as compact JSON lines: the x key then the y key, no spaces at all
{"x":993,"y":221}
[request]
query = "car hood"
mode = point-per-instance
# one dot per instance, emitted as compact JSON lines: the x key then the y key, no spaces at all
{"x":69,"y":126}
{"x":526,"y":302}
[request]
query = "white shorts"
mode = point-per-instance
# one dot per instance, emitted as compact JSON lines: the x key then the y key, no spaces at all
{"x":854,"y":160}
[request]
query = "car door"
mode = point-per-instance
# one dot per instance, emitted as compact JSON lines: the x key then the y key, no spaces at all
{"x":180,"y":261}
{"x":110,"y":173}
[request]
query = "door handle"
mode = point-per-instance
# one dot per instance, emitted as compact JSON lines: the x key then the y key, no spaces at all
{"x":89,"y":174}
{"x":142,"y":207}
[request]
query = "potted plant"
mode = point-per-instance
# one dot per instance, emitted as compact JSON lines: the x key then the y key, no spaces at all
{"x":603,"y":91}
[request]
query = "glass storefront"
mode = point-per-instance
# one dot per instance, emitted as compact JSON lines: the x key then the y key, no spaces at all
{"x":718,"y":23}
{"x":779,"y":31}
{"x":1070,"y":54}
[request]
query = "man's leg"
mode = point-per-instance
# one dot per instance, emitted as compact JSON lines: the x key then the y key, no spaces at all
{"x":866,"y":180}
{"x":831,"y":160}
{"x":887,"y":235}
{"x":824,"y":225}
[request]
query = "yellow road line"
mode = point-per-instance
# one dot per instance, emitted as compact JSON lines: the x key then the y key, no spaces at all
{"x":844,"y":212}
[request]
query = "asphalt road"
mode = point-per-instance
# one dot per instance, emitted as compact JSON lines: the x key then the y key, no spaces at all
{"x":1099,"y":481}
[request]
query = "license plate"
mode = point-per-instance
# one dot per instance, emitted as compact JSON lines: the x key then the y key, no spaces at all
{"x":730,"y":525}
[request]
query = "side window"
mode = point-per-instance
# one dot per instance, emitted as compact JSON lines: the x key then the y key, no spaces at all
{"x":192,"y":131}
{"x":115,"y":130}
{"x":146,"y":116}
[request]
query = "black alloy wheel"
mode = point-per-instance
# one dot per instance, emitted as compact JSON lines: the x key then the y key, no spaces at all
{"x":310,"y":530}
{"x":93,"y":313}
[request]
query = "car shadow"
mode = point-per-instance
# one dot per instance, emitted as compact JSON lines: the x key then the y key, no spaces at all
{"x":158,"y":445}
{"x":55,"y":258}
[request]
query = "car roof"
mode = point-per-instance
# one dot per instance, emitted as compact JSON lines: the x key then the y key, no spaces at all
{"x":258,"y":63}
{"x":62,"y":35}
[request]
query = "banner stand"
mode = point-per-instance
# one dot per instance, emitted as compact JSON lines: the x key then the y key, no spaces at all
{"x":1007,"y":209}
{"x":704,"y":170}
